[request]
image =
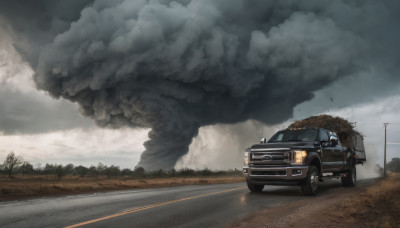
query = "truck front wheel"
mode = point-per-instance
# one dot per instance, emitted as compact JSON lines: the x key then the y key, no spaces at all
{"x":310,"y":185}
{"x":255,"y":187}
{"x":351,"y":178}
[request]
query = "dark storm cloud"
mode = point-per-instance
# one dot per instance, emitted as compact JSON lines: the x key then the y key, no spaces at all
{"x":22,"y":113}
{"x":175,"y":66}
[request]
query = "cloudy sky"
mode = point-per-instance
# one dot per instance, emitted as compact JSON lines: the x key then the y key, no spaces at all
{"x":105,"y":81}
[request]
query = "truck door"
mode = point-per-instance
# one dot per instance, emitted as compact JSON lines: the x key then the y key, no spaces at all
{"x":339,"y":157}
{"x":327,"y":152}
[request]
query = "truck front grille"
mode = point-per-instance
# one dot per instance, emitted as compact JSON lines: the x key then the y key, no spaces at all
{"x":275,"y":156}
{"x":262,"y":158}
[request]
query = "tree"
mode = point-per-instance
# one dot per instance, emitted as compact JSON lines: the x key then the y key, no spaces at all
{"x":69,"y":169}
{"x":60,"y":171}
{"x":112,"y":171}
{"x":92,"y":171}
{"x":101,"y":169}
{"x":27,"y":168}
{"x":81,"y":170}
{"x":139,"y":172}
{"x":50,"y":169}
{"x":12,"y":161}
{"x":126,"y":172}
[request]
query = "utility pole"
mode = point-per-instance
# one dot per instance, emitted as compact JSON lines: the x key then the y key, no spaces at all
{"x":384,"y":158}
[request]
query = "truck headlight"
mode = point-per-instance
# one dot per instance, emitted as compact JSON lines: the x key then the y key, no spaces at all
{"x":299,"y":157}
{"x":246,"y":158}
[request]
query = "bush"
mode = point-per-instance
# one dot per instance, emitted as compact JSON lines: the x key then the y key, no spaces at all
{"x":112,"y":171}
{"x":26,"y":168}
{"x":187,"y":172}
{"x":92,"y":171}
{"x":81,"y":170}
{"x":139,"y":172}
{"x":156,"y":174}
{"x":69,"y":169}
{"x":60,"y":171}
{"x":394,"y":165}
{"x":126,"y":172}
{"x":49,"y":169}
{"x":206,"y":172}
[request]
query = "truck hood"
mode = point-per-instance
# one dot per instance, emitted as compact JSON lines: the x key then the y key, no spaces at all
{"x":290,"y":145}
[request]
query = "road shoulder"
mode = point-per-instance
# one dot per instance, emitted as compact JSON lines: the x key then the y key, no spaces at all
{"x":375,"y":205}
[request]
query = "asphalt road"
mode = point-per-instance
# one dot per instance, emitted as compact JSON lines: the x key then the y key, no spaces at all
{"x":185,"y":206}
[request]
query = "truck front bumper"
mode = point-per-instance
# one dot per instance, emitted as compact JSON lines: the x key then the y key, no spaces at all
{"x":290,"y":173}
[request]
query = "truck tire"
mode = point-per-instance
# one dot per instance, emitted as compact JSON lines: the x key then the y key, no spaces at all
{"x":255,"y":187}
{"x":310,"y":185}
{"x":351,"y":178}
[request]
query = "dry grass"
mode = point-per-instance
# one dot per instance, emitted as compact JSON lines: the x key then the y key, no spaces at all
{"x":374,"y":206}
{"x":378,"y":206}
{"x":336,"y":124}
{"x":27,"y":186}
{"x":343,"y":128}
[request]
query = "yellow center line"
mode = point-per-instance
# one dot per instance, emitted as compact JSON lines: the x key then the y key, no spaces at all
{"x":148,"y":207}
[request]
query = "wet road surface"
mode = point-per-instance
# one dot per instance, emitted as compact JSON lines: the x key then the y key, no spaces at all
{"x":185,"y":206}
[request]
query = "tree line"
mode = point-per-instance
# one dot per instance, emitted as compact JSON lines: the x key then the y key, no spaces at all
{"x":14,"y":164}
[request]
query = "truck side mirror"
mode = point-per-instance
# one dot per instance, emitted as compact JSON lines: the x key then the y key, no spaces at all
{"x":334,"y":140}
{"x":263,"y":140}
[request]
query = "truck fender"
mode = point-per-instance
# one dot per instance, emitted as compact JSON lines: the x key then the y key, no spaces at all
{"x":314,"y":159}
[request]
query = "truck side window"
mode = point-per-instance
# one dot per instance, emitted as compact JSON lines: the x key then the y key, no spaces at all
{"x":323,"y":136}
{"x":278,"y":138}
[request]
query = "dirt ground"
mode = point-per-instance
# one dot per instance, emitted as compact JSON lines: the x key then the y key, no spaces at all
{"x":30,"y":186}
{"x":373,"y":206}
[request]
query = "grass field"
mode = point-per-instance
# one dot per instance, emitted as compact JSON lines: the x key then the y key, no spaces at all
{"x":29,"y":185}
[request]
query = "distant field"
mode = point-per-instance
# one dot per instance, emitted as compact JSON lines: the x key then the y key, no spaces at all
{"x":32,"y":185}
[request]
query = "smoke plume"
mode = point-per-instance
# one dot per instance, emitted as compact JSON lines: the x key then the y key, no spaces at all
{"x":174,"y":66}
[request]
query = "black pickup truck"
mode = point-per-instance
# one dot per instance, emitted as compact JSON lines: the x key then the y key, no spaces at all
{"x":302,"y":157}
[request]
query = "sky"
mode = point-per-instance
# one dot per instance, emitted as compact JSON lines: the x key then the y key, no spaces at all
{"x":80,"y":90}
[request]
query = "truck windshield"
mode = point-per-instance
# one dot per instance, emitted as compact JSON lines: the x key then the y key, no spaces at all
{"x":303,"y":135}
